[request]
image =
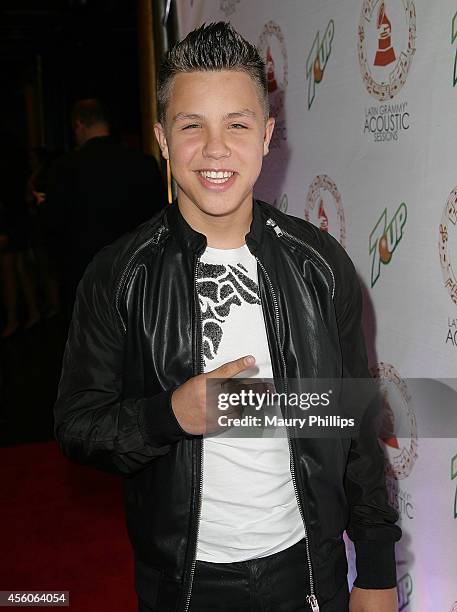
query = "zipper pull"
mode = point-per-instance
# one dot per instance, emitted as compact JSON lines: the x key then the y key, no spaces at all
{"x":275,"y":226}
{"x":311,"y":599}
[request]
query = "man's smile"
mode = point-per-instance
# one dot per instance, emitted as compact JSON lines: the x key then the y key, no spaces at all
{"x":218,"y":180}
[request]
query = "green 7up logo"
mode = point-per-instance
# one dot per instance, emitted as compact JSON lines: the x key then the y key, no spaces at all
{"x":317,"y":60}
{"x":384,"y":239}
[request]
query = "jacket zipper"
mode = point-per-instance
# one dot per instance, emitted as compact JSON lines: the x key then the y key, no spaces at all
{"x":200,"y":484}
{"x":280,"y":232}
{"x":311,"y":599}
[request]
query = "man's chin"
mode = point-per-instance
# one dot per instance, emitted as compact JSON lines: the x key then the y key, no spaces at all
{"x":214,"y":204}
{"x":221,"y":207}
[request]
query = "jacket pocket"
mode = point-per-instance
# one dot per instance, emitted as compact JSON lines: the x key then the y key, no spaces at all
{"x":332,"y":573}
{"x":147,"y":582}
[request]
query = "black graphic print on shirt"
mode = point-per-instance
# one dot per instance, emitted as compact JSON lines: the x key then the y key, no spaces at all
{"x":220,"y":287}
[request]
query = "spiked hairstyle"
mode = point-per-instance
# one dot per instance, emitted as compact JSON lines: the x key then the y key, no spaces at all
{"x":213,"y":47}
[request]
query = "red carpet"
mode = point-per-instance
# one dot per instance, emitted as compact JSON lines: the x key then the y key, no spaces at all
{"x":62,"y":528}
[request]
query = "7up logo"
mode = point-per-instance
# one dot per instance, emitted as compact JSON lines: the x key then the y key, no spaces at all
{"x":384,"y":239}
{"x":317,"y":60}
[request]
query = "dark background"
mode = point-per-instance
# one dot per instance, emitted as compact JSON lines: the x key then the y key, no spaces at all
{"x":53,"y":52}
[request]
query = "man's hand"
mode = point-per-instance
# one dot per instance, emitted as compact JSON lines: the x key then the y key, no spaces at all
{"x":195,"y":409}
{"x":373,"y":600}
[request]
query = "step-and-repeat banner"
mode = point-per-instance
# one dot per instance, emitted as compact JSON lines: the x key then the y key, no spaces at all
{"x":365,"y":147}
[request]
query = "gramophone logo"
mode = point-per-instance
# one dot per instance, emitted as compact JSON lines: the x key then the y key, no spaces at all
{"x":447,"y":242}
{"x":386,"y":45}
{"x":385,"y":238}
{"x":385,"y":55}
{"x":324,"y":207}
{"x":398,"y":415}
{"x":273,"y":50}
{"x":271,"y":77}
{"x":317,"y":60}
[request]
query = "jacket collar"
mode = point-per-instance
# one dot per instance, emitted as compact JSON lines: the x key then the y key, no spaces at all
{"x":196,"y":241}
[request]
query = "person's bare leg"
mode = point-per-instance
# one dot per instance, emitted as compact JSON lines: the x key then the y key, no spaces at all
{"x":8,"y":268}
{"x":28,"y":288}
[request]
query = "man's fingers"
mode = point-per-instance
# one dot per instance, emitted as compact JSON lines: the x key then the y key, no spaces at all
{"x":232,"y":368}
{"x":214,"y":387}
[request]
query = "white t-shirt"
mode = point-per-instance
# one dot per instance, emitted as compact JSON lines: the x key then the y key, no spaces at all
{"x":249,"y":509}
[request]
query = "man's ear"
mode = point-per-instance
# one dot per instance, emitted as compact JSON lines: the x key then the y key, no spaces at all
{"x":269,"y":127}
{"x":161,"y":139}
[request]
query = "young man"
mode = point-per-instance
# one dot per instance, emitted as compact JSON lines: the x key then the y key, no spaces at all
{"x":217,"y":522}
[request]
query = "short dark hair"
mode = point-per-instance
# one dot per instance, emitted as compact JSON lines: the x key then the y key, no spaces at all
{"x":216,"y":46}
{"x":90,"y":111}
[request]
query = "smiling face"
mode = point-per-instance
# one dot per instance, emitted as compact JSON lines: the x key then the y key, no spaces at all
{"x":215,"y":137}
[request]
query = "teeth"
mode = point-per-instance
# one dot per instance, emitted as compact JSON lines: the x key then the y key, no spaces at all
{"x":216,"y":177}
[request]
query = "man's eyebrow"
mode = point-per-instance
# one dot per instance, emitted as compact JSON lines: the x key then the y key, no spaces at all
{"x":184,"y":116}
{"x":245,"y":112}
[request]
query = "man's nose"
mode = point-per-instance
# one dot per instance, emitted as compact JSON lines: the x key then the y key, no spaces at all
{"x":216,"y":147}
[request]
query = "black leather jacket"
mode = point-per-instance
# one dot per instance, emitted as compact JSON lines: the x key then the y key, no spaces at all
{"x":136,"y":335}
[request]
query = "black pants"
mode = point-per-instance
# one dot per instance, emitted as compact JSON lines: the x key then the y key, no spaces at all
{"x":276,"y":583}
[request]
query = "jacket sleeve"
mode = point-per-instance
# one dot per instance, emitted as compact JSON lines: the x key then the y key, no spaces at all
{"x":95,"y":424}
{"x":372,"y":521}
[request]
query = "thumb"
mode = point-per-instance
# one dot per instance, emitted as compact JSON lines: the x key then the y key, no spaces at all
{"x":231,"y":368}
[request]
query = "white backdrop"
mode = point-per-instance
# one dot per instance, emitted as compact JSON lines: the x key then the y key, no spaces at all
{"x":365,"y":145}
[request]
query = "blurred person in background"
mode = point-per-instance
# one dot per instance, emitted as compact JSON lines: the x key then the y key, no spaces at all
{"x":96,"y":193}
{"x":15,"y":238}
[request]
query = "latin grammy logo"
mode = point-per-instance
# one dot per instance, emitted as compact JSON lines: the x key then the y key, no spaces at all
{"x":385,"y":54}
{"x":322,"y":216}
{"x":272,"y":84}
